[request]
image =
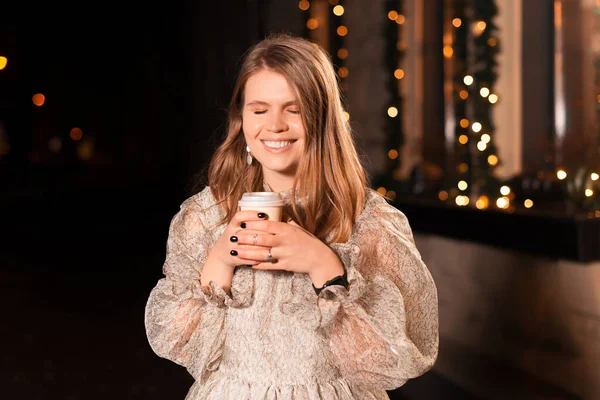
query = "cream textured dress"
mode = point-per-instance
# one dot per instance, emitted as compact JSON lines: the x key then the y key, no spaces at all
{"x":274,"y":338}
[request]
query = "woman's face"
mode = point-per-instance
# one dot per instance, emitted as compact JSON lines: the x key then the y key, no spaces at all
{"x":273,"y":127}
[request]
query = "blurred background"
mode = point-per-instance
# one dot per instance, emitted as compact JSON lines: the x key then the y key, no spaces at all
{"x":479,"y":119}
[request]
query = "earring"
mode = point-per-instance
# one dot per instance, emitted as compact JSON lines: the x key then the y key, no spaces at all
{"x":249,"y":156}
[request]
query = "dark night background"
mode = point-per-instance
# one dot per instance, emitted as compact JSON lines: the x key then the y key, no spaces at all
{"x":82,"y":243}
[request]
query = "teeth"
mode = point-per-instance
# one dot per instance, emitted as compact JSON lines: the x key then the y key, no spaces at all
{"x":277,"y":145}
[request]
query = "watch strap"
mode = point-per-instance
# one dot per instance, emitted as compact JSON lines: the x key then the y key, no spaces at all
{"x":340,"y":280}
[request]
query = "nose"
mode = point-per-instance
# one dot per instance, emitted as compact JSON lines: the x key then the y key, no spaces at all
{"x":276,"y":123}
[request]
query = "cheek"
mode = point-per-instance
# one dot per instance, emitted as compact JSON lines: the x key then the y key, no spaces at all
{"x":251,"y":126}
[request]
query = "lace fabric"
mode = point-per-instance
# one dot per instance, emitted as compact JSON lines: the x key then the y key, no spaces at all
{"x":273,"y":338}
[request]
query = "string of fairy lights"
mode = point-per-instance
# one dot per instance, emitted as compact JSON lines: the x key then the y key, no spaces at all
{"x":472,"y":46}
{"x":315,"y":19}
{"x":395,"y":49}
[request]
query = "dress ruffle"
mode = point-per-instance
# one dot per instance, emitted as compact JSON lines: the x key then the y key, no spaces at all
{"x":222,"y":387}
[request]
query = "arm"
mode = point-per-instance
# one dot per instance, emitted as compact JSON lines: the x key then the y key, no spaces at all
{"x":384,"y":329}
{"x":184,"y":321}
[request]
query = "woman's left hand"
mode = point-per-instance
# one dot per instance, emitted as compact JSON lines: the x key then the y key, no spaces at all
{"x":293,"y":248}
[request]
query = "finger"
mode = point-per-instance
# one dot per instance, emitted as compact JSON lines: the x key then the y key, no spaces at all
{"x":257,"y":239}
{"x":240,"y":260}
{"x":242,"y":216}
{"x":253,"y":254}
{"x":273,"y":227}
{"x":267,"y":266}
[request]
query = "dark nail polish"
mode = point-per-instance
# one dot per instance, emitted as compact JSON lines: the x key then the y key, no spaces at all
{"x":262,"y":215}
{"x":243,"y":225}
{"x":233,"y":239}
{"x":233,"y":253}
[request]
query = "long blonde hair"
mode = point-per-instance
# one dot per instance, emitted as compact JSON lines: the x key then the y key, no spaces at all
{"x":330,"y":173}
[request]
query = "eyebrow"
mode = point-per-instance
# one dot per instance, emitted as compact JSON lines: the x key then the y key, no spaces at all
{"x":264,"y":103}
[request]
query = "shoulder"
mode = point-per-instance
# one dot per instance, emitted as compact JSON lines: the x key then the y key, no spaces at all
{"x":201,"y":207}
{"x":378,"y":207}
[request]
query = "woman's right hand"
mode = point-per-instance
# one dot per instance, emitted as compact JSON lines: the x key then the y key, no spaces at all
{"x":222,"y":260}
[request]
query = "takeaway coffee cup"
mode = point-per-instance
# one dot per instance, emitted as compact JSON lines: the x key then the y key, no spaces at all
{"x":270,"y":203}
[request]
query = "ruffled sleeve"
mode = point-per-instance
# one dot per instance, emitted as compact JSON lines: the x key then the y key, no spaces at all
{"x":185,"y":321}
{"x":383,"y":330}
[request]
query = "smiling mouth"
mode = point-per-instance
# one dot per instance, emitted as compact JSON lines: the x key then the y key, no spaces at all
{"x":277,"y":144}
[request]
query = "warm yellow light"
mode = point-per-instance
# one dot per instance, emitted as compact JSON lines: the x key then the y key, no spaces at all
{"x":463,"y":94}
{"x":303,"y":5}
{"x":595,"y":176}
{"x":448,"y":51}
{"x":481,"y":146}
{"x":485,"y":138}
{"x":38,"y":99}
{"x":76,"y":134}
{"x":312,"y":23}
{"x":463,"y":167}
{"x":463,"y":139}
{"x":492,"y":98}
{"x":464,"y":123}
{"x":342,"y":54}
{"x":528,"y":203}
{"x":462,"y":200}
{"x":492,"y":42}
{"x":463,"y":185}
{"x":343,"y":72}
{"x":482,"y":203}
{"x":3,"y":62}
{"x":597,"y":213}
{"x":502,"y":202}
{"x":399,"y":73}
{"x":342,"y":30}
{"x":476,"y":127}
{"x":589,"y":192}
{"x":393,"y":154}
{"x":381,"y":190}
{"x":443,"y":195}
{"x":484,"y":92}
{"x":393,"y":15}
{"x":492,"y":160}
{"x":346,"y":116}
{"x":392,"y":112}
{"x":481,"y":25}
{"x":338,"y":10}
{"x":456,"y":22}
{"x":400,"y":19}
{"x":505,"y":190}
{"x":561,"y":174}
{"x":468,"y":80}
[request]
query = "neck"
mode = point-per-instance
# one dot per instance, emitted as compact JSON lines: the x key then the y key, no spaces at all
{"x":279,"y":183}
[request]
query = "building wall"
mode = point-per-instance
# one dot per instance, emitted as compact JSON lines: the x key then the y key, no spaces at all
{"x":526,"y":318}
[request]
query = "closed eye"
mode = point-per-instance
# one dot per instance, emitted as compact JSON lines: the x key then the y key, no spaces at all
{"x":294,"y":111}
{"x":259,"y":112}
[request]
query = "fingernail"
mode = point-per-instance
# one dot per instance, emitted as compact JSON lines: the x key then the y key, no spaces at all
{"x":233,"y":253}
{"x":243,"y":225}
{"x":233,"y":239}
{"x":262,"y":215}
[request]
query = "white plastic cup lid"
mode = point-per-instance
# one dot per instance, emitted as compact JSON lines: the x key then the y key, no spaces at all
{"x":268,"y":199}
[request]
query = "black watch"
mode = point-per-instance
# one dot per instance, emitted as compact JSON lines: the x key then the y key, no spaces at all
{"x":341,"y":280}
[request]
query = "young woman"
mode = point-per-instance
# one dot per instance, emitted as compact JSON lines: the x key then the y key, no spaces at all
{"x":334,"y":302}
